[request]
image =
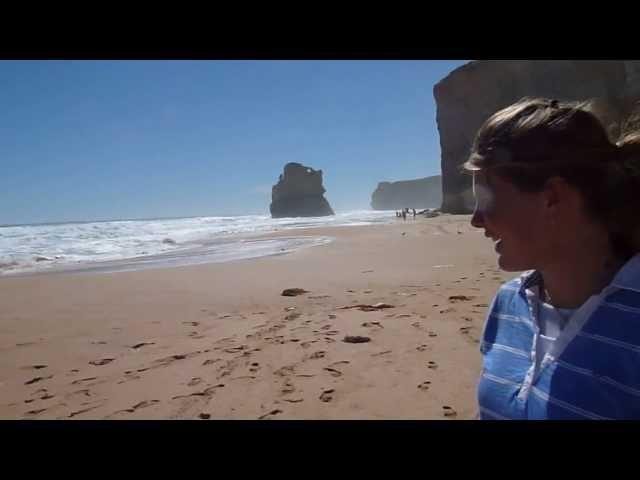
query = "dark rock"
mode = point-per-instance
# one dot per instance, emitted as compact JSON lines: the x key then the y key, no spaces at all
{"x":355,"y":339}
{"x":299,"y":193}
{"x":292,"y":292}
{"x":420,"y":193}
{"x":472,"y":93}
{"x":169,"y":241}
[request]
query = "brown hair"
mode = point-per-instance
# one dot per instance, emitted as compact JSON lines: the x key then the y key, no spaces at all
{"x":536,"y":139}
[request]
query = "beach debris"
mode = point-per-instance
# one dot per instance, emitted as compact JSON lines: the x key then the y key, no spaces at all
{"x":293,"y":292}
{"x":368,"y":308}
{"x":356,"y":339}
{"x":204,"y":416}
{"x":460,"y":298}
{"x":289,"y":309}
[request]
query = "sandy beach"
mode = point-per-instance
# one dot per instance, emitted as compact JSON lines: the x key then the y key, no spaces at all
{"x":219,"y":341}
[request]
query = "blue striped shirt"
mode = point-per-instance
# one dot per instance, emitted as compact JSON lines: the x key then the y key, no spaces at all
{"x":592,"y":370}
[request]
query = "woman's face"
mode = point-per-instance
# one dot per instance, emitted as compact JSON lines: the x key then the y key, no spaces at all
{"x":513,"y":219}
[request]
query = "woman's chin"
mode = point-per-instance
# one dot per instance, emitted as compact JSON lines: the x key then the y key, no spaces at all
{"x":508,"y":265}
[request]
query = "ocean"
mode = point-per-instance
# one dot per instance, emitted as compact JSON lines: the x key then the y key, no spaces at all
{"x":122,"y":245}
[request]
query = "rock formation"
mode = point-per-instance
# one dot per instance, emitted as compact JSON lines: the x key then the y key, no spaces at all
{"x":299,"y":193}
{"x":420,"y":193}
{"x":473,"y":92}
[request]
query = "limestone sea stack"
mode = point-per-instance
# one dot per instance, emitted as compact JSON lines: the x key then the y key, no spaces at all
{"x":299,"y":193}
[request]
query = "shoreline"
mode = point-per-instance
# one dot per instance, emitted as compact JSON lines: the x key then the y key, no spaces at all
{"x":219,"y":340}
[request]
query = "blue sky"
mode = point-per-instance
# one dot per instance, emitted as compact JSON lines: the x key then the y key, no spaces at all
{"x":90,"y":140}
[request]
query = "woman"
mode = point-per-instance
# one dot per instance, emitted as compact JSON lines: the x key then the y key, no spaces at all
{"x":560,"y":200}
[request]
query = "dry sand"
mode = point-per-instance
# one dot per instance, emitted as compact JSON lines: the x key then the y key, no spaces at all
{"x":219,"y":341}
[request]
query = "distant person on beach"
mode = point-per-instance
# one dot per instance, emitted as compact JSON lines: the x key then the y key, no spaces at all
{"x":560,"y":200}
{"x":414,"y":212}
{"x":404,"y":214}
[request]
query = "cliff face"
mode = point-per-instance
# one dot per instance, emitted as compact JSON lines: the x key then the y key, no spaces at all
{"x":420,"y":193}
{"x":473,"y":92}
{"x":299,"y":193}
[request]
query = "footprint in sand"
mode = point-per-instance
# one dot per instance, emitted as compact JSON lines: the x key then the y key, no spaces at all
{"x":103,"y":361}
{"x":318,"y":354}
{"x":422,"y":348}
{"x":464,"y":330}
{"x":84,"y":410}
{"x":287,"y":387}
{"x":36,"y":412}
{"x":372,"y":324}
{"x":194,"y":381}
{"x":378,"y":354}
{"x":37,"y":379}
{"x":449,"y":411}
{"x":210,"y":361}
{"x":333,"y":372}
{"x":255,"y":366}
{"x":193,"y":324}
{"x":270,"y":414}
{"x":35,"y":367}
{"x":460,"y":298}
{"x":424,"y":385}
{"x":433,"y":334}
{"x":141,"y":344}
{"x":432,"y":365}
{"x":326,"y":396}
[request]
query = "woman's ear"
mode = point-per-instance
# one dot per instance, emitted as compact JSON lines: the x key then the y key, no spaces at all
{"x":558,"y":195}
